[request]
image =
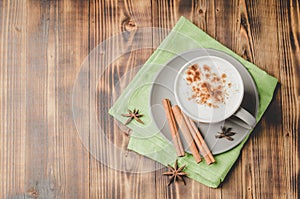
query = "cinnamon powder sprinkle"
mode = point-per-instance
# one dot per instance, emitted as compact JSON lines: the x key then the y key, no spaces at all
{"x":207,"y":87}
{"x":206,"y":68}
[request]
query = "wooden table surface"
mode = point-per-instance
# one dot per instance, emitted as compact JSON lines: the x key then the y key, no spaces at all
{"x":43,"y":45}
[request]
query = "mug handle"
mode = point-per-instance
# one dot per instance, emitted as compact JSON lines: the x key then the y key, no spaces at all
{"x":244,"y":118}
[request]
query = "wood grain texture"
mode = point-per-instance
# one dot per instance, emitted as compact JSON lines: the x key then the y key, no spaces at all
{"x":42,"y":47}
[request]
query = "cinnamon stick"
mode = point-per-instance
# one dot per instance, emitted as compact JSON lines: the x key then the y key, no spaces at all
{"x":173,"y":127}
{"x":196,"y":139}
{"x":200,"y":142}
{"x":186,"y":132}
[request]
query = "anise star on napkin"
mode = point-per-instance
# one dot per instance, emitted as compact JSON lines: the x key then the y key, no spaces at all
{"x":133,"y":115}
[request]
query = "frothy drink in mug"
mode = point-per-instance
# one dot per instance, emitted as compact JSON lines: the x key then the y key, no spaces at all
{"x":209,"y":89}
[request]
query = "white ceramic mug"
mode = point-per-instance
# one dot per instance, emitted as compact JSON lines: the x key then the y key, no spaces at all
{"x":209,"y":89}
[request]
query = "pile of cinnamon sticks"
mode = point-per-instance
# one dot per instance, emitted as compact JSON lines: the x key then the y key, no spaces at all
{"x":189,"y":131}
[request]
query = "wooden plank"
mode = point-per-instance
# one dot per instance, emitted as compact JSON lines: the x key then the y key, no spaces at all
{"x":289,"y":59}
{"x":39,"y":61}
{"x":12,"y":103}
{"x":111,"y":18}
{"x":254,"y":156}
{"x":71,"y":48}
{"x":68,"y":39}
{"x":36,"y":109}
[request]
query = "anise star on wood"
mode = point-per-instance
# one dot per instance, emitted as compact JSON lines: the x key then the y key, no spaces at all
{"x":175,"y":173}
{"x":226,"y":133}
{"x":133,"y":115}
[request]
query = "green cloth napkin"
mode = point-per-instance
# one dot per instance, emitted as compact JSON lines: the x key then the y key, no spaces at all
{"x":146,"y":139}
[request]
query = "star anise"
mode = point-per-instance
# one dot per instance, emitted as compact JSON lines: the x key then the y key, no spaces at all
{"x":175,"y":173}
{"x":226,"y":133}
{"x":133,"y":115}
